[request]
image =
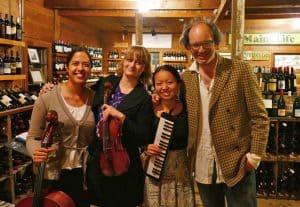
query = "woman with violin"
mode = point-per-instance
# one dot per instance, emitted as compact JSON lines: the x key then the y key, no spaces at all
{"x":174,"y":189}
{"x":123,"y":110}
{"x":66,"y":158}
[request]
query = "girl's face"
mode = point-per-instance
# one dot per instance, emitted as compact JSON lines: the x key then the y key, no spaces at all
{"x":79,"y":68}
{"x":166,"y":86}
{"x":133,"y":68}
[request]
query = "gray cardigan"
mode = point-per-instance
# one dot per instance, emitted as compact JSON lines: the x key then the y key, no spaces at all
{"x":80,"y":133}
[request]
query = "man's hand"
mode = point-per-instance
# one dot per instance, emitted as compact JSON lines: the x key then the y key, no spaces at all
{"x":155,"y":99}
{"x":47,"y":87}
{"x":248,"y":166}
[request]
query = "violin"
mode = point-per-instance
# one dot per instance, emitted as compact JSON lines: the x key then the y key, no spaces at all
{"x":56,"y":198}
{"x":114,"y":160}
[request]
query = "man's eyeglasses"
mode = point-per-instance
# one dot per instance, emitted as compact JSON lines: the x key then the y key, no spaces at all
{"x":206,"y":45}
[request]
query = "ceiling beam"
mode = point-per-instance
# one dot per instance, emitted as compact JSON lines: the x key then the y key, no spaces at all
{"x":129,"y":4}
{"x":269,"y":3}
{"x":223,"y":7}
{"x":131,"y":13}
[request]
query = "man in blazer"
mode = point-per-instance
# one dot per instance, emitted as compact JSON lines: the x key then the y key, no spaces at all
{"x":228,"y":124}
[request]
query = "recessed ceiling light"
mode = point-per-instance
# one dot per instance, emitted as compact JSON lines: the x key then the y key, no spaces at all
{"x":181,"y":20}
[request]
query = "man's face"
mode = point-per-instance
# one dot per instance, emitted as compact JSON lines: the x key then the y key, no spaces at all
{"x":201,"y":44}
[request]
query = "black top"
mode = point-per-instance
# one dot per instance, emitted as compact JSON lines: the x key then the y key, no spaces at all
{"x":125,"y":190}
{"x":180,"y":131}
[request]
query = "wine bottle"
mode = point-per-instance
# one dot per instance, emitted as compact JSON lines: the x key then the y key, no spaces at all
{"x":289,"y":104}
{"x":282,"y":133}
{"x":280,"y":80}
{"x":7,"y":27}
{"x":18,"y":30}
{"x":13,"y":34}
{"x":273,"y":80}
{"x":22,"y":101}
{"x":2,"y":26}
{"x":12,"y":60}
{"x":1,"y":66}
{"x":24,"y":95}
{"x":271,"y":146}
{"x":274,"y":110}
{"x":14,"y":99}
{"x":5,"y":101}
{"x":287,"y":79}
{"x":6,"y":62}
{"x":18,"y":63}
{"x":281,"y":105}
{"x":293,"y":80}
{"x":296,"y":106}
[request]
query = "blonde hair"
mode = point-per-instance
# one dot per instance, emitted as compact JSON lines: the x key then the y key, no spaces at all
{"x":143,"y":56}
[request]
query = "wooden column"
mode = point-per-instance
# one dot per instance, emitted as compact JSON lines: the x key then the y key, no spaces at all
{"x":237,"y":28}
{"x":138,"y":28}
{"x":56,"y":25}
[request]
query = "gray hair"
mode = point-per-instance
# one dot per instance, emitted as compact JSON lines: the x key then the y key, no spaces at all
{"x":184,"y":38}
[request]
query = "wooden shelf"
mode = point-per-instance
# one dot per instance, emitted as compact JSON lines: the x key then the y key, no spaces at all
{"x":286,"y":119}
{"x":114,"y":59}
{"x":60,"y":72}
{"x":21,"y":167}
{"x":11,"y":43}
{"x":60,"y":54}
{"x":175,"y":61}
{"x":96,"y":58}
{"x":97,"y":71}
{"x":269,"y":158}
{"x":16,"y":110}
{"x":12,"y":77}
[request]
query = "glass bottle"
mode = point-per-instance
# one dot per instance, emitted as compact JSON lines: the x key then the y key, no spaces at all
{"x":296,"y":105}
{"x":281,"y":105}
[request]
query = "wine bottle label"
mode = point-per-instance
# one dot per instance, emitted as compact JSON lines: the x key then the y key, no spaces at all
{"x":19,"y":34}
{"x":8,"y":30}
{"x":7,"y":69}
{"x":22,"y":100}
{"x":13,"y":30}
{"x":6,"y":100}
{"x":272,"y":85}
{"x":281,"y":112}
{"x":297,"y":113}
{"x":268,"y":103}
{"x":19,"y":64}
{"x":34,"y":97}
{"x":281,"y":84}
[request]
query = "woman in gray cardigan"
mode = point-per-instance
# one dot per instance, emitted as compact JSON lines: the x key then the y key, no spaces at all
{"x":66,"y":158}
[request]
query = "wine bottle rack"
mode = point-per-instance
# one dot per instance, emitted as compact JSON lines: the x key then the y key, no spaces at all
{"x":14,"y":164}
{"x":280,"y":168}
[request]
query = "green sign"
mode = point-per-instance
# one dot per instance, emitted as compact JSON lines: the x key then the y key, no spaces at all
{"x":270,"y":39}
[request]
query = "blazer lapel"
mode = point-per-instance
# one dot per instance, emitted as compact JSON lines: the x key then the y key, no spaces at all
{"x":223,"y":71}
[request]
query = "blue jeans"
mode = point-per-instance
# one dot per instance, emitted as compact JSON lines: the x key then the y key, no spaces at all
{"x":243,"y":194}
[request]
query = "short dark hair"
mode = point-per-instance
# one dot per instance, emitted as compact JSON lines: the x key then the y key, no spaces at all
{"x":78,"y":49}
{"x":184,"y":38}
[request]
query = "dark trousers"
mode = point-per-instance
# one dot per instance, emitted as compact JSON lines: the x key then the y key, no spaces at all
{"x":243,"y":194}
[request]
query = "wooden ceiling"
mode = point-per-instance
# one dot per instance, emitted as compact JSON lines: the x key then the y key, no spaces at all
{"x":169,"y":15}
